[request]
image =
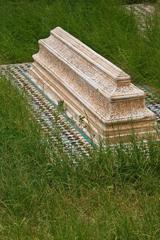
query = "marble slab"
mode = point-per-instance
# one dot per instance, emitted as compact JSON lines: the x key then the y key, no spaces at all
{"x":98,"y":95}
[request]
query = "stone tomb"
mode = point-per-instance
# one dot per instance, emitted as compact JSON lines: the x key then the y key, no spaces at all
{"x":92,"y":88}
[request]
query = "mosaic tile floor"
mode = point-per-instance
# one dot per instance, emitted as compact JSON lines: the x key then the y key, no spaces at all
{"x":153,"y":101}
{"x":74,"y":139}
{"x":45,"y":111}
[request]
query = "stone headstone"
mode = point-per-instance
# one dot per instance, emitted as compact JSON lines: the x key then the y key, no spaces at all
{"x":92,"y":88}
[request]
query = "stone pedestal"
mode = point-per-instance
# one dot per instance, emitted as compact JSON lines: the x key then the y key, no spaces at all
{"x":92,"y":88}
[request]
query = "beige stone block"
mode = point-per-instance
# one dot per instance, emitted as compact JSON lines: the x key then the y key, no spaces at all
{"x":91,"y":87}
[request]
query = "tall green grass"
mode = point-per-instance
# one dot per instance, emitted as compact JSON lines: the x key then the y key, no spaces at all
{"x":46,"y":194}
{"x":139,"y":1}
{"x":104,"y":25}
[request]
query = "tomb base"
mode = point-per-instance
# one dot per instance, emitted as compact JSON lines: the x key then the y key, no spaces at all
{"x":98,"y":95}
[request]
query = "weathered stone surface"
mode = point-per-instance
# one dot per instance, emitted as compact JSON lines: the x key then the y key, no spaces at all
{"x":92,"y":87}
{"x":142,"y":11}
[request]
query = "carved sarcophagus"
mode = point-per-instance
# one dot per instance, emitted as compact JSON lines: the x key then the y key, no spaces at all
{"x":92,"y":88}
